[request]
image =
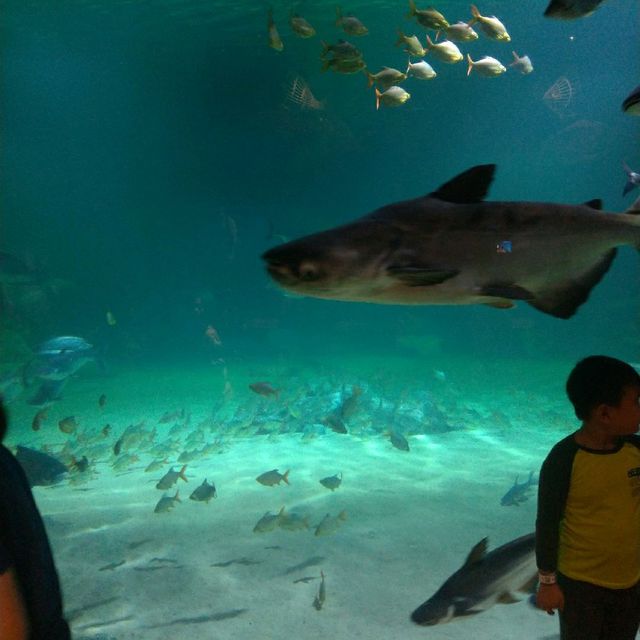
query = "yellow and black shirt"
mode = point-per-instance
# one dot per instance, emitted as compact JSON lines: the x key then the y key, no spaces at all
{"x":588,"y":523}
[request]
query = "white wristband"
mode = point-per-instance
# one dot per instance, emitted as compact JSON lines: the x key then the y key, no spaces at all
{"x":547,"y":578}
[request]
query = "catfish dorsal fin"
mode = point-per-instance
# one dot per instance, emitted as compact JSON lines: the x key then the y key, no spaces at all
{"x":477,"y":553}
{"x":596,"y":203}
{"x":467,"y":187}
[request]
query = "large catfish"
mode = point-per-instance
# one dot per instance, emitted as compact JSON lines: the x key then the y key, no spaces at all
{"x":451,"y":247}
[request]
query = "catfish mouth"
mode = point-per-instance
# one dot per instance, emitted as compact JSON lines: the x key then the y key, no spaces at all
{"x":294,"y":273}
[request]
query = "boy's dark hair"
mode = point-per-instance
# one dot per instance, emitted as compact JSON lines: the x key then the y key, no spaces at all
{"x":599,"y":380}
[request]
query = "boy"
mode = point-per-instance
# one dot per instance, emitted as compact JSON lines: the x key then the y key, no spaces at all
{"x":588,"y":522}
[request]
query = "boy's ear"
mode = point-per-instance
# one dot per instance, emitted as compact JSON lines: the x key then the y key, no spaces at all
{"x":602,"y":412}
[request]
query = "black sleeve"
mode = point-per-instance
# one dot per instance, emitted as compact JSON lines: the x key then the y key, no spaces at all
{"x":25,"y":546}
{"x":553,"y":489}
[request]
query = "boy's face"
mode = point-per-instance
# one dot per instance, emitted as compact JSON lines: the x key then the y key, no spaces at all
{"x":624,"y":419}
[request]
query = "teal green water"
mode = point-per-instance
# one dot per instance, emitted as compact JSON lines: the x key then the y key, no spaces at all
{"x":151,"y":152}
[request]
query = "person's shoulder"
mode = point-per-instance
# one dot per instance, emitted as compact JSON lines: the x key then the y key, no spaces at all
{"x":565,"y":448}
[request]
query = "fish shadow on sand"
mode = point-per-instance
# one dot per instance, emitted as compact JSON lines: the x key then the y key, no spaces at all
{"x":314,"y":561}
{"x":213,"y":617}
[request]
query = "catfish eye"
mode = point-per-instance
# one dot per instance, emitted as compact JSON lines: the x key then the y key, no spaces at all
{"x":308,"y":272}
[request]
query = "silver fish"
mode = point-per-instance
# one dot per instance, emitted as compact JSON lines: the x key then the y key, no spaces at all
{"x":450,"y":247}
{"x":330,"y":524}
{"x":522,"y":63}
{"x":321,"y":596}
{"x":491,"y":26}
{"x":273,"y":477}
{"x":204,"y":492}
{"x":518,"y":492}
{"x":171,"y":477}
{"x":332,"y":482}
{"x":268,"y":522}
{"x":483,"y":580}
{"x":166,"y":503}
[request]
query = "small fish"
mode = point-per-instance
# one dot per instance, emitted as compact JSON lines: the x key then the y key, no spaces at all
{"x":300,"y":26}
{"x":272,"y":478}
{"x":293,"y":521}
{"x":333,"y":420}
{"x":421,"y":70}
{"x":350,"y":404}
{"x":386,"y":78}
{"x":518,"y":492}
{"x":445,"y":51}
{"x":171,"y":477}
{"x":487,"y":66}
{"x":171,"y":416}
{"x":275,"y":41}
{"x":124,"y":462}
{"x":106,"y":430}
{"x":347,"y":67}
{"x":264,"y":389}
{"x":156,"y":464}
{"x":212,"y":334}
{"x":342,"y":50}
{"x":268,"y":522}
{"x":321,"y":596}
{"x":204,"y":492}
{"x":80,"y":465}
{"x":631,"y":104}
{"x":633,"y":179}
{"x":332,"y":482}
{"x":428,"y":18}
{"x":68,"y":424}
{"x":111,"y":319}
{"x":166,"y":503}
{"x":117,"y":447}
{"x":306,"y":579}
{"x":491,"y":26}
{"x":330,"y":524}
{"x":414,"y":47}
{"x":392,"y":97}
{"x":460,"y":32}
{"x":522,"y":63}
{"x":571,"y":9}
{"x":398,"y":441}
{"x":102,"y":400}
{"x":350,"y":24}
{"x":39,"y":418}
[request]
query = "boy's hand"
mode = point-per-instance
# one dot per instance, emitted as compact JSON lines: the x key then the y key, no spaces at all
{"x":550,"y":597}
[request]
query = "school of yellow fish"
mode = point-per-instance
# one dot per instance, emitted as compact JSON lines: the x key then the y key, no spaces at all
{"x":344,"y":57}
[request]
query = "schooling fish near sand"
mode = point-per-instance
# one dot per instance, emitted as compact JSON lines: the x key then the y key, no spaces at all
{"x":451,"y":247}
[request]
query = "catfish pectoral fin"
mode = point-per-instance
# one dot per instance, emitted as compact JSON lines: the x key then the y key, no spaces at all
{"x":507,"y":598}
{"x":417,"y":276}
{"x":511,"y":291}
{"x":564,"y":299}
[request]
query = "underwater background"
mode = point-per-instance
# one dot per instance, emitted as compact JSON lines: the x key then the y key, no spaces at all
{"x":151,"y":152}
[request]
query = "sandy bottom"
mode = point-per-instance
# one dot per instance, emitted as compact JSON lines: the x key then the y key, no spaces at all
{"x":129,"y":573}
